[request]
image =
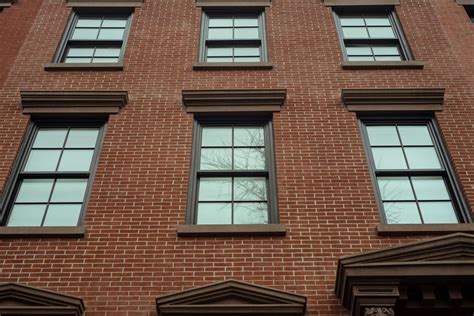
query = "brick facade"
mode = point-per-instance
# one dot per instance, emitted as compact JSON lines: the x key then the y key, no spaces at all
{"x":131,"y":253}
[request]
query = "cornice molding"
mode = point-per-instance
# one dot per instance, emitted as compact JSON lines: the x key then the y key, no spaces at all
{"x":73,"y":102}
{"x":104,"y":3}
{"x":25,"y":300}
{"x":233,"y":297}
{"x":252,"y":100}
{"x":412,"y":99}
{"x":233,"y":3}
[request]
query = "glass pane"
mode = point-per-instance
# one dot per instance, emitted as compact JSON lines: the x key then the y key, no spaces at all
{"x":249,"y":136}
{"x":112,"y":34}
{"x":84,"y":22}
{"x":246,"y":33}
{"x":107,"y":52}
{"x":250,"y":189}
{"x":89,"y":34}
{"x":381,"y":32}
{"x":246,"y":59}
{"x":357,"y":51}
{"x":355,"y":21}
{"x":395,"y":188}
{"x":360,"y":58}
{"x":217,"y":136}
{"x":35,"y":190}
{"x":220,"y":22}
{"x":221,"y":51}
{"x":385,"y":50}
{"x":220,"y":33}
{"x":388,"y":58}
{"x":389,"y":158}
{"x":383,"y":136}
{"x":82,"y":138}
{"x":63,"y":215}
{"x":415,"y":135}
{"x":27,"y":215}
{"x":247,"y":51}
{"x":401,"y":213}
{"x":355,"y":32}
{"x":115,"y":23}
{"x":76,"y":160}
{"x":50,"y":138}
{"x":380,"y":21}
{"x":422,"y":158}
{"x":216,"y":159}
{"x":80,"y":52}
{"x":69,"y":190}
{"x":219,"y":59}
{"x":215,"y":189}
{"x":78,"y":60}
{"x":43,"y":160}
{"x":250,"y":213}
{"x":430,"y":188}
{"x":249,"y":158}
{"x":250,"y":21}
{"x":214,"y":213}
{"x":438,"y":213}
{"x":105,"y":60}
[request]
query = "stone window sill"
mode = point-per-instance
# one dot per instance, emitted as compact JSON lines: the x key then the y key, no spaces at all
{"x":83,"y":67}
{"x":43,"y":232}
{"x":226,"y":66}
{"x":382,"y":64}
{"x":423,"y":229}
{"x":231,"y":230}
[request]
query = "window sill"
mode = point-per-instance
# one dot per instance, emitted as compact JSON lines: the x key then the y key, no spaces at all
{"x":226,"y":66}
{"x":382,"y":64}
{"x":43,"y":232}
{"x":83,"y":67}
{"x":231,"y":230}
{"x":423,"y":229}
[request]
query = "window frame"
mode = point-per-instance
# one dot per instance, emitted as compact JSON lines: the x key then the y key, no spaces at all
{"x":232,"y":11}
{"x":400,"y":40}
{"x":470,"y":12}
{"x":13,"y":183}
{"x":64,"y":44}
{"x":272,"y":200}
{"x":447,"y":172}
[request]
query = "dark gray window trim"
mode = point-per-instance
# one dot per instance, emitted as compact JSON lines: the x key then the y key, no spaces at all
{"x":57,"y":63}
{"x":273,"y":216}
{"x":461,"y":207}
{"x":11,"y":186}
{"x":403,"y":43}
{"x":6,"y":4}
{"x":233,"y":10}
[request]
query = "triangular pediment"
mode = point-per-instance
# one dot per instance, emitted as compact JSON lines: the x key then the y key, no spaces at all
{"x":454,"y":247}
{"x":19,"y":297}
{"x":231,"y":296}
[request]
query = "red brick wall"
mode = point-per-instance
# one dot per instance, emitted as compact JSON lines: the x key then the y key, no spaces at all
{"x":131,"y":253}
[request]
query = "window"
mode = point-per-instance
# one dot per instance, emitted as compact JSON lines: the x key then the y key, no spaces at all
{"x":233,"y":178}
{"x":233,"y":37}
{"x":470,"y":11}
{"x":414,"y":181}
{"x":95,"y":38}
{"x":54,"y":175}
{"x":371,"y":36}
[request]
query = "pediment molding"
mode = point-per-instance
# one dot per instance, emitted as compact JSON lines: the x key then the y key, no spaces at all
{"x":233,"y":297}
{"x":16,"y":299}
{"x":384,"y":278}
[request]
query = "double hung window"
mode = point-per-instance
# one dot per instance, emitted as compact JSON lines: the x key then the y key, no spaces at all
{"x":95,"y":38}
{"x":414,"y":181}
{"x":233,"y":37}
{"x":54,"y":175}
{"x":233,"y":180}
{"x":371,"y":36}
